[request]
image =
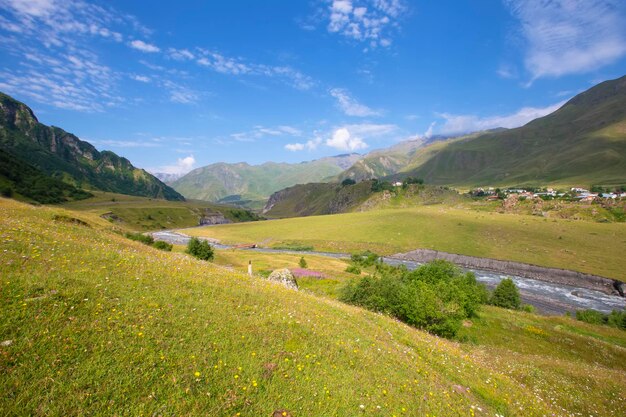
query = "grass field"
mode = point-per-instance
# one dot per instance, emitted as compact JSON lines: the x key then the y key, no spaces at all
{"x":585,"y":246}
{"x":142,"y":213}
{"x":333,"y":270}
{"x":95,"y":324}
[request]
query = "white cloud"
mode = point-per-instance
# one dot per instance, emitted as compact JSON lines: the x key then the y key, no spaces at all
{"x":143,"y":46}
{"x":258,"y":132}
{"x":368,"y":130}
{"x":76,"y":82}
{"x":140,"y":78}
{"x":350,"y":106}
{"x":290,"y":130}
{"x":180,"y":54}
{"x":429,"y":132}
{"x":343,"y":140}
{"x":182,"y":166}
{"x":237,"y":66}
{"x":368,"y":21}
{"x":57,"y":23}
{"x":37,"y":8}
{"x":124,"y":143}
{"x":180,"y":93}
{"x":472,"y":123}
{"x":310,"y":145}
{"x":570,"y":36}
{"x":294,"y":147}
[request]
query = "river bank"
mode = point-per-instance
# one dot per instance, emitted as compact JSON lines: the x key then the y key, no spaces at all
{"x":553,"y":275}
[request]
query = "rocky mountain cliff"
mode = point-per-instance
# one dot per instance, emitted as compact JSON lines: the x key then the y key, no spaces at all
{"x":63,"y":156}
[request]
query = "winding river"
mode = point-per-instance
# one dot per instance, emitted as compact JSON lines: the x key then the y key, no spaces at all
{"x":546,"y":297}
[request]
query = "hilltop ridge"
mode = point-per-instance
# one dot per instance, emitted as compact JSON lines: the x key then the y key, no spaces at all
{"x":64,"y":156}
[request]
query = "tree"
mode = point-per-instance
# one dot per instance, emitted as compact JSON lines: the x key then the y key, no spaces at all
{"x":302,"y":262}
{"x":200,"y":249}
{"x":506,"y":295}
{"x":348,"y":181}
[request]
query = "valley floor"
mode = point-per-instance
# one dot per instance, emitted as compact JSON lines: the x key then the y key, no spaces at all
{"x":95,"y":324}
{"x":585,"y":246}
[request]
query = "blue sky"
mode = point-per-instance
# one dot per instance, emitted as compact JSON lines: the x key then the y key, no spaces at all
{"x":173,"y":86}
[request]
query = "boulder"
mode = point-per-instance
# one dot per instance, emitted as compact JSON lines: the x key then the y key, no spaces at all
{"x":284,"y":277}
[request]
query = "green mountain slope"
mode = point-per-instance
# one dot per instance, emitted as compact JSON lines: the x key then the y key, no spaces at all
{"x":19,"y":179}
{"x":582,"y":142}
{"x":317,"y":198}
{"x":403,"y":156}
{"x":252,"y":184}
{"x":62,"y":155}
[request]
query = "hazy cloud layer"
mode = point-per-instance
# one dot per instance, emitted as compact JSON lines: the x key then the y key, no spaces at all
{"x":569,"y":36}
{"x":464,"y":123}
{"x":350,"y":106}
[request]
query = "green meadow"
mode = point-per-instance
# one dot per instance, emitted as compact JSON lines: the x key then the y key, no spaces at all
{"x":586,"y":246}
{"x":93,"y":323}
{"x":143,"y":213}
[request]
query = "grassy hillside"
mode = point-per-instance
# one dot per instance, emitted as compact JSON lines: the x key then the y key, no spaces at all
{"x":96,"y":324}
{"x":141,"y":213}
{"x":591,"y":247}
{"x":584,"y":142}
{"x":65,"y":157}
{"x":404,"y":156}
{"x":249,"y":185}
{"x":317,"y":198}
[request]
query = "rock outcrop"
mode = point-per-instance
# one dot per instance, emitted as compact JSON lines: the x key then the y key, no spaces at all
{"x":284,"y":277}
{"x":213,"y":218}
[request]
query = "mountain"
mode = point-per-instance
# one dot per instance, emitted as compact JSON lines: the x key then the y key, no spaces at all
{"x":167,"y":178}
{"x":316,"y":199}
{"x":20,"y":179}
{"x":63,"y":156}
{"x":251,"y":185}
{"x":584,"y":142}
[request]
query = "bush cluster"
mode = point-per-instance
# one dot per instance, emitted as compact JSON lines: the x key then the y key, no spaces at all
{"x":614,"y":319}
{"x":200,"y":249}
{"x":139,"y":237}
{"x":364,"y":259}
{"x":506,"y":295}
{"x":436,"y":297}
{"x":161,"y":245}
{"x":353,"y":269}
{"x":149,"y":240}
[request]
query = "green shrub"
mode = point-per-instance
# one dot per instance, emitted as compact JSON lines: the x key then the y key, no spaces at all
{"x":353,"y":269}
{"x":348,"y":181}
{"x":614,"y":319}
{"x":506,"y":295}
{"x":200,"y":249}
{"x":6,"y":191}
{"x":161,"y":245}
{"x":617,"y":319}
{"x":293,"y":246}
{"x":436,"y":297}
{"x":528,"y":308}
{"x":302,"y":262}
{"x":364,"y":259}
{"x":145,"y":239}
